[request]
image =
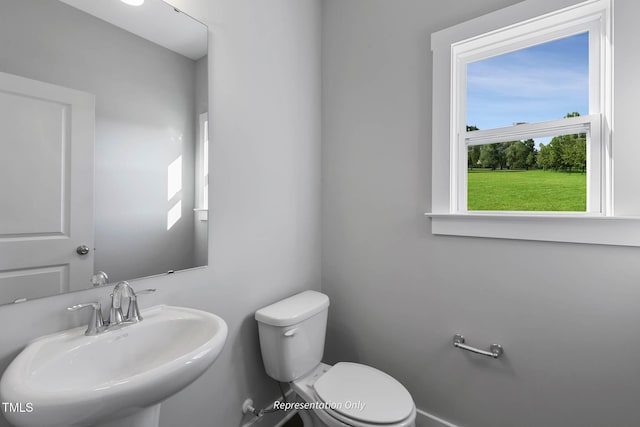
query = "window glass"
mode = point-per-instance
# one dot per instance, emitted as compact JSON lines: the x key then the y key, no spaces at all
{"x":543,"y":174}
{"x":535,"y":84}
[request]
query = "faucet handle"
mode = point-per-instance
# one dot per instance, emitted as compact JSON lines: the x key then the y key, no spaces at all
{"x":96,"y":323}
{"x":100,"y":279}
{"x":115,"y":312}
{"x":133,"y":312}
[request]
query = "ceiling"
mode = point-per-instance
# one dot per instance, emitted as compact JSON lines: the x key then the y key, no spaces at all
{"x":155,"y":21}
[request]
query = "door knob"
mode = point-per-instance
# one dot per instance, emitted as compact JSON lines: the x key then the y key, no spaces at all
{"x":82,"y":250}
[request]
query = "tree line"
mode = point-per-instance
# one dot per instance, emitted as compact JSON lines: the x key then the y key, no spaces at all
{"x":562,"y":153}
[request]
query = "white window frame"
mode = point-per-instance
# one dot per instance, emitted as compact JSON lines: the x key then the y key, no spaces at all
{"x":536,"y":32}
{"x":525,"y":24}
{"x":202,"y":169}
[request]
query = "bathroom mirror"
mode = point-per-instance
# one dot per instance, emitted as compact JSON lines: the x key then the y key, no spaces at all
{"x":103,"y":154}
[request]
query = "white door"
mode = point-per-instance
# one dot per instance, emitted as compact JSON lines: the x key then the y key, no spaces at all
{"x":46,"y":188}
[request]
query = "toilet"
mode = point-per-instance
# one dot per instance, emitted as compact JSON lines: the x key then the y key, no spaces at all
{"x":292,"y":333}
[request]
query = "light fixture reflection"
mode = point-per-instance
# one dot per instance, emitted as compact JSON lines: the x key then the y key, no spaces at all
{"x":133,"y":2}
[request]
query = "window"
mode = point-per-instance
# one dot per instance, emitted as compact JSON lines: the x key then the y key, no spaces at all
{"x":525,"y":140}
{"x":510,"y":80}
{"x":537,"y":84}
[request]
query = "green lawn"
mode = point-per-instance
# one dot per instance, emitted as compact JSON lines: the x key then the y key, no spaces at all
{"x":532,"y":190}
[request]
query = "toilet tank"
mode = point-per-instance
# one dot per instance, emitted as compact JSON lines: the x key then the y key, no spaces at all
{"x":292,"y":333}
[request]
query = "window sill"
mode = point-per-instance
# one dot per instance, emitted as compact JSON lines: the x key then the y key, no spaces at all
{"x":202,"y":214}
{"x":571,"y":228}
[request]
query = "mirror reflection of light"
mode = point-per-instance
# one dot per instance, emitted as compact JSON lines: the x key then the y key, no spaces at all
{"x":206,"y":148}
{"x":205,"y":173}
{"x":174,"y":214}
{"x":174,"y":178}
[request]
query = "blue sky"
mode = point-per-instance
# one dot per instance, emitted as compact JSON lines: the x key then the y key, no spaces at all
{"x":542,"y":82}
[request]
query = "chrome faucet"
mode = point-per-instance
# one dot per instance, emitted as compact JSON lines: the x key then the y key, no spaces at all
{"x":115,"y":313}
{"x":124,"y":289}
{"x":116,"y":318}
{"x":96,"y":324}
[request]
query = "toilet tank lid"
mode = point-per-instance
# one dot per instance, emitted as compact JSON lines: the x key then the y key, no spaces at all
{"x":294,"y":309}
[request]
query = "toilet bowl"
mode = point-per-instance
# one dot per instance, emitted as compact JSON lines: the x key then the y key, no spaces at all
{"x":292,"y":335}
{"x":355,"y":395}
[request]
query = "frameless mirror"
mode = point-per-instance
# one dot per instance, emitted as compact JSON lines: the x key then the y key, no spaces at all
{"x":104,"y":143}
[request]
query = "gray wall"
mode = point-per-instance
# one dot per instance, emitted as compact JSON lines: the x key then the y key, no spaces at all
{"x":144,"y":120}
{"x":264,"y":236}
{"x":566,"y":314}
{"x":200,"y":228}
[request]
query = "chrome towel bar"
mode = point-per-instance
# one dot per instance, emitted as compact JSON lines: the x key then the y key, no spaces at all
{"x":495,"y":350}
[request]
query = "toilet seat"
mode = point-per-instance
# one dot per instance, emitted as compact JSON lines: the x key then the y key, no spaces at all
{"x":349,"y":385}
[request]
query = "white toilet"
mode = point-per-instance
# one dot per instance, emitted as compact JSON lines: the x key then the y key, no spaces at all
{"x":292,"y":333}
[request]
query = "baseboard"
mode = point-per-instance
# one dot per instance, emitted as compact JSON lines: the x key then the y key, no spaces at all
{"x":425,"y":419}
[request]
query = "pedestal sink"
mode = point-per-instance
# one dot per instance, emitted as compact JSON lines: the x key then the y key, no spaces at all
{"x":116,"y":378}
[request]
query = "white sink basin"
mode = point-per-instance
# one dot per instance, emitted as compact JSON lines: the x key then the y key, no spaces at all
{"x":73,"y":379}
